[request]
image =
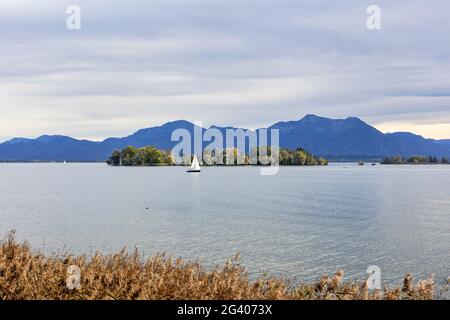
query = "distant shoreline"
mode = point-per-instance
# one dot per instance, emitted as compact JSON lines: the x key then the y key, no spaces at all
{"x":223,"y":165}
{"x":49,"y":161}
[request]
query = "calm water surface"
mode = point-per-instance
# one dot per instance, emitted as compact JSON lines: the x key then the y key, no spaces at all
{"x":301,"y":223}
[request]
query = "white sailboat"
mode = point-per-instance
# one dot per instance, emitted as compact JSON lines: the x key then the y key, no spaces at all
{"x":195,"y":166}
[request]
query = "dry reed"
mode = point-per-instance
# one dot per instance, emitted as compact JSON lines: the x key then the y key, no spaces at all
{"x":25,"y":274}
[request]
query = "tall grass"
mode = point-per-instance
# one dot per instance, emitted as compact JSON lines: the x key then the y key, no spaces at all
{"x":25,"y":274}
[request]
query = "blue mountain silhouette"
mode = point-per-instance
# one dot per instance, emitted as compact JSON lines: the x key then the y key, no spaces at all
{"x":349,"y":138}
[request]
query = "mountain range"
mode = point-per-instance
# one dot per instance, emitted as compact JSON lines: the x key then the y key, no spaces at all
{"x":338,"y":139}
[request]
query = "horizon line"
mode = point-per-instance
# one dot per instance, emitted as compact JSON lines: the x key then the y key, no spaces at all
{"x":213,"y":125}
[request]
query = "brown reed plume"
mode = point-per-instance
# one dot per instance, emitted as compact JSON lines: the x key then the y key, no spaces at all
{"x":25,"y":274}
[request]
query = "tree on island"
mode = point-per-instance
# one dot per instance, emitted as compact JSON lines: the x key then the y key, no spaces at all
{"x":151,"y":156}
{"x":415,"y":160}
{"x":146,"y":156}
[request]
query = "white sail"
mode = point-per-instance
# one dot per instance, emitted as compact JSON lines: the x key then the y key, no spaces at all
{"x":195,"y":166}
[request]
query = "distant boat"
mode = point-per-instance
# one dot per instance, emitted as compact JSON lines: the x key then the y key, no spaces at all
{"x":361,"y":163}
{"x":195,"y":166}
{"x":64,"y":162}
{"x":374,"y":164}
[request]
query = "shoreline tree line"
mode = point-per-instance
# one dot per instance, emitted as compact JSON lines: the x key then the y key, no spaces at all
{"x":151,"y":156}
{"x":415,"y":160}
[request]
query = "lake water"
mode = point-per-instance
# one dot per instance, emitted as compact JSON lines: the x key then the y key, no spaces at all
{"x":300,"y":223}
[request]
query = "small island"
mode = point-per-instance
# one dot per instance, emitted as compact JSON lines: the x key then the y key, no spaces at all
{"x":151,"y":156}
{"x":415,"y":160}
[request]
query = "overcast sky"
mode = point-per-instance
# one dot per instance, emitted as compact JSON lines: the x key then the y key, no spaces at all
{"x":247,"y":63}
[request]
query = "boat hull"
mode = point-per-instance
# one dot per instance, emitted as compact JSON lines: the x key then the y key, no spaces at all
{"x":193,"y":171}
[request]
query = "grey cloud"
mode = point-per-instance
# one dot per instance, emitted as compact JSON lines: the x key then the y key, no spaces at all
{"x":247,"y":63}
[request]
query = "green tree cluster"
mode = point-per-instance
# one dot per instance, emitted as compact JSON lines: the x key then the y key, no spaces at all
{"x":263,"y":156}
{"x":300,"y":157}
{"x":146,"y":156}
{"x":393,"y":160}
{"x":415,"y":160}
